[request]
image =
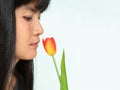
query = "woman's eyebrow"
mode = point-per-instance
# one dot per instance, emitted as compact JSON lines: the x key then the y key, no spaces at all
{"x":31,"y":9}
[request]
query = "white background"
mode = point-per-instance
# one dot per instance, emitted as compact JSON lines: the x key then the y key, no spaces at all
{"x":89,"y":31}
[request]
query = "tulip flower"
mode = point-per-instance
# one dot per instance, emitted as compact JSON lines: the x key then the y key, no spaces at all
{"x":50,"y":48}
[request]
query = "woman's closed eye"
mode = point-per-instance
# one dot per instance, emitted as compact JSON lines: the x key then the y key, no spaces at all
{"x":27,"y":18}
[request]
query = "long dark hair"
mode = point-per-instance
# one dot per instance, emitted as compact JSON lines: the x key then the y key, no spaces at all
{"x":24,"y":68}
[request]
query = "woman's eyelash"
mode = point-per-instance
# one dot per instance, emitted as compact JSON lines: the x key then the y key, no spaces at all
{"x":27,"y":18}
{"x":38,"y":18}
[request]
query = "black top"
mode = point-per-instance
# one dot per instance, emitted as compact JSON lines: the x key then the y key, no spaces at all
{"x":20,"y":83}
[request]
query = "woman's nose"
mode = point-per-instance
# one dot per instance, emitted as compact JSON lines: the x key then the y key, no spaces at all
{"x":38,"y":29}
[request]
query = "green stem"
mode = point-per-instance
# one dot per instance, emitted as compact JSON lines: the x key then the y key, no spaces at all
{"x":56,"y":68}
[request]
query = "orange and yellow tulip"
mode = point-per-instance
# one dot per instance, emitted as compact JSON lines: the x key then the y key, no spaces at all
{"x":49,"y":45}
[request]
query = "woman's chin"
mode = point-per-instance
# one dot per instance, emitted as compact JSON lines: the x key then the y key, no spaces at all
{"x":29,"y":56}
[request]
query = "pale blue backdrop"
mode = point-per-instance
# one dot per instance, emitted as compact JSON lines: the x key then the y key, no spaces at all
{"x":89,"y":31}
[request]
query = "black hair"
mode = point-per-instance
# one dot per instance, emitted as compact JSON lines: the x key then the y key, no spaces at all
{"x":40,"y":4}
{"x":24,"y":68}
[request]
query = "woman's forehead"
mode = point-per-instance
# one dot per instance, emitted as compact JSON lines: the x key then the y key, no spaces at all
{"x":29,"y":7}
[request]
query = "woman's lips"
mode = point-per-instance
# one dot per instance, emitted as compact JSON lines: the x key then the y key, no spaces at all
{"x":35,"y":45}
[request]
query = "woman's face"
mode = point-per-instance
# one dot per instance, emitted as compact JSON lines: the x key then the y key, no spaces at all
{"x":28,"y":29}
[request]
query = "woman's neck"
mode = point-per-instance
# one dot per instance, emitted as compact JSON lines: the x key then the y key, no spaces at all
{"x":11,"y":82}
{"x":11,"y":77}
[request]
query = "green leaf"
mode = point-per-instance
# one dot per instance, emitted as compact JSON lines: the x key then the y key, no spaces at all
{"x":63,"y":77}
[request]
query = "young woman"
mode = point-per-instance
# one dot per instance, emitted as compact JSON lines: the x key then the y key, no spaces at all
{"x":19,"y":37}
